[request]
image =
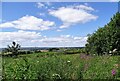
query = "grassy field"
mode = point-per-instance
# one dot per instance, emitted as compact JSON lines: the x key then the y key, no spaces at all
{"x":51,"y":66}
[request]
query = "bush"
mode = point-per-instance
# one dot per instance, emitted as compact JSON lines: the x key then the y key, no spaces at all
{"x":105,"y":39}
{"x":37,"y":51}
{"x":53,"y":49}
{"x":25,"y":52}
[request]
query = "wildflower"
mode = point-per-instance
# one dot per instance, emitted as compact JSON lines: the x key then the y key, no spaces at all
{"x":37,"y":61}
{"x":56,"y":76}
{"x":113,"y":72}
{"x":110,"y":54}
{"x":68,"y":61}
{"x":114,"y":50}
{"x":116,"y":65}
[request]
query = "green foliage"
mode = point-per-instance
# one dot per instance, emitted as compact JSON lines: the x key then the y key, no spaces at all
{"x":25,"y":52}
{"x":53,"y":49}
{"x":107,"y":39}
{"x":53,"y":67}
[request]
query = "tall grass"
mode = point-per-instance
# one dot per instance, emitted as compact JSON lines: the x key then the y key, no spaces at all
{"x":60,"y":67}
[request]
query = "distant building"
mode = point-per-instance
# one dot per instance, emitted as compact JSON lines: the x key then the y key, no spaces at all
{"x":44,"y":50}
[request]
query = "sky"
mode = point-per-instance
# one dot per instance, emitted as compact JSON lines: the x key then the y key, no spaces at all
{"x":53,"y":24}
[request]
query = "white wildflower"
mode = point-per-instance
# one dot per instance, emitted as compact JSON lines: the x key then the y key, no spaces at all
{"x":37,"y":61}
{"x":110,"y":54}
{"x":110,"y":51}
{"x":68,"y":61}
{"x":93,"y":54}
{"x":114,"y":50}
{"x":56,"y":75}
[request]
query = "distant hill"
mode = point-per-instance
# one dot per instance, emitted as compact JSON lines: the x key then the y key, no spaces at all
{"x":43,"y":48}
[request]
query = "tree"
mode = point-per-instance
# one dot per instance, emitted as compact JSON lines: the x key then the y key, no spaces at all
{"x":14,"y":48}
{"x":105,"y":39}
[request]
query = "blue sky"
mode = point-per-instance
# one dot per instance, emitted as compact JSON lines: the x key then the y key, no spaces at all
{"x":53,"y":24}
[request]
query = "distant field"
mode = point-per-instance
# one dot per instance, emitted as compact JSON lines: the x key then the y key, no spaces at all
{"x":53,"y":66}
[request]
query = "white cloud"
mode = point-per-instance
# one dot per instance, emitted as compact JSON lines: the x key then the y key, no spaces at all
{"x":114,"y":0}
{"x":84,"y":7}
{"x":64,"y":40}
{"x":65,"y":25}
{"x":43,"y":4}
{"x":21,"y":36}
{"x":6,"y":25}
{"x":40,"y":5}
{"x":77,"y":38}
{"x":73,"y":14}
{"x":29,"y":23}
{"x":42,"y":14}
{"x":48,"y":3}
{"x":65,"y":36}
{"x":58,"y":30}
{"x":27,"y":38}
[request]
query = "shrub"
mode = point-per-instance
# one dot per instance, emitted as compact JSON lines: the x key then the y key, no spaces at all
{"x":105,"y":39}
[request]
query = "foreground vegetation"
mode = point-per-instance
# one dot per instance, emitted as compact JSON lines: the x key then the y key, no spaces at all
{"x":51,"y":66}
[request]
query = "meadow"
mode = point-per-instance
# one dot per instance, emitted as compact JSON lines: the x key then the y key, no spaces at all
{"x":53,"y":66}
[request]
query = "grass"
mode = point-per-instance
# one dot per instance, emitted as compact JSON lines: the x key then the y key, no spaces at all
{"x":53,"y":66}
